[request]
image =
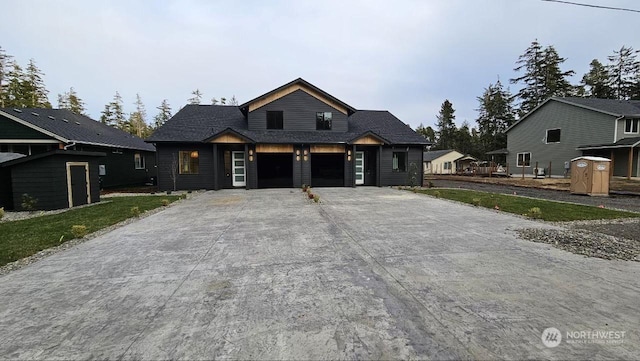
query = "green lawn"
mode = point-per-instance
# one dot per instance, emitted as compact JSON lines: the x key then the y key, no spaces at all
{"x":549,"y":210}
{"x":19,"y":239}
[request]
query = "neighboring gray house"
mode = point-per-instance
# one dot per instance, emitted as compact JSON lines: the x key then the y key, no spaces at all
{"x":561,"y":129}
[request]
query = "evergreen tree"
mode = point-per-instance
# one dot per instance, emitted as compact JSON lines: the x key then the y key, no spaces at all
{"x":138,"y":120}
{"x":5,"y":69}
{"x":233,"y":100}
{"x":624,"y":71}
{"x":495,"y":115}
{"x":463,"y":140}
{"x":542,"y":76}
{"x":15,"y":94}
{"x":214,"y":101}
{"x":428,"y":133}
{"x":196,"y":98}
{"x":70,"y":100}
{"x":446,"y":126}
{"x":597,"y":81}
{"x":35,"y":92}
{"x":223,"y":101}
{"x":163,"y":115}
{"x":113,"y":114}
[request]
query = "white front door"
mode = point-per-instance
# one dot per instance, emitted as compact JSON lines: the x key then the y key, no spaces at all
{"x":239,"y":169}
{"x":359,"y":168}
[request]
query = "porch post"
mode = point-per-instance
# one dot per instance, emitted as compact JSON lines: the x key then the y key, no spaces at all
{"x":216,"y":186}
{"x":246,"y":165}
{"x":378,"y":170}
{"x":630,"y":165}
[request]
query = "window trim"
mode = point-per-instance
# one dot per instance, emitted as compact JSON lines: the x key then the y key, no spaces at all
{"x":324,"y":120}
{"x":546,"y":136}
{"x":181,"y":162}
{"x":281,"y":113}
{"x":632,"y":121}
{"x":405,"y":165}
{"x":139,"y":161}
{"x":523,"y":158}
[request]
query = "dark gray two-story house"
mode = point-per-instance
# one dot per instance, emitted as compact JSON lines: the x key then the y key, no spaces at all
{"x":293,"y":135}
{"x":561,"y":129}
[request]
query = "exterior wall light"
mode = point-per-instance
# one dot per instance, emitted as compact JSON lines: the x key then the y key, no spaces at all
{"x":194,"y":154}
{"x":298,"y":153}
{"x":250,"y":152}
{"x":305,"y":153}
{"x":298,"y":158}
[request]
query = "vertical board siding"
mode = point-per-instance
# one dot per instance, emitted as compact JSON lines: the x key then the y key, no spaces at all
{"x":299,"y":112}
{"x":578,"y":127}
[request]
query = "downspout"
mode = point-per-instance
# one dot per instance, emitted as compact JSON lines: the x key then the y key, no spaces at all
{"x":72,"y":144}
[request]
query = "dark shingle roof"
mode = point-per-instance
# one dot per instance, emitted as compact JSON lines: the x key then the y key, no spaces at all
{"x":198,"y":123}
{"x":435,"y":154}
{"x":611,"y":106}
{"x":622,"y":143}
{"x":70,"y":127}
{"x":386,"y":125}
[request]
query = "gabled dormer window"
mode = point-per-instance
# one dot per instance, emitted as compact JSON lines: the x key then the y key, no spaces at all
{"x":275,"y":119}
{"x":631,"y":126}
{"x":323,"y":121}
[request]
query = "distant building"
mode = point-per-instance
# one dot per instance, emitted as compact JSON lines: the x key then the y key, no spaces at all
{"x":446,"y":161}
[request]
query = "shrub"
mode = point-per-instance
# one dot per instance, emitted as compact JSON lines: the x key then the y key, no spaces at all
{"x":165,"y":202}
{"x":304,"y":187}
{"x":78,"y":231}
{"x":430,"y":184}
{"x":28,"y":202}
{"x":535,"y":212}
{"x":436,"y":194}
{"x":135,"y":211}
{"x":316,"y":198}
{"x":308,"y":190}
{"x":1,"y":212}
{"x":476,"y":202}
{"x":310,"y":195}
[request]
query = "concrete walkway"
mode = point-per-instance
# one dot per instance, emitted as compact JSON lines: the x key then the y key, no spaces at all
{"x":371,"y":273}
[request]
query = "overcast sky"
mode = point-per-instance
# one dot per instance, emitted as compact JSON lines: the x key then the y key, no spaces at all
{"x":403,"y":56}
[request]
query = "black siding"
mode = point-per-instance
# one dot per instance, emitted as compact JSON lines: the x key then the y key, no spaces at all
{"x":203,"y":180}
{"x":299,"y":112}
{"x":12,"y":130}
{"x":121,"y":168}
{"x":6,"y":196}
{"x":390,"y":178}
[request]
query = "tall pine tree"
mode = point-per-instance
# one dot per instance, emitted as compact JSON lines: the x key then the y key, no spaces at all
{"x":196,"y":97}
{"x":495,"y":115}
{"x":138,"y":120}
{"x":163,"y":115}
{"x":597,"y":80}
{"x":624,"y":71}
{"x":428,"y":133}
{"x":36,"y":94}
{"x":5,"y":69}
{"x":446,"y":127}
{"x":70,"y":100}
{"x":113,"y":114}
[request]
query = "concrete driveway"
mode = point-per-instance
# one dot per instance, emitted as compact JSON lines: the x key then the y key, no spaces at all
{"x":372,"y":273}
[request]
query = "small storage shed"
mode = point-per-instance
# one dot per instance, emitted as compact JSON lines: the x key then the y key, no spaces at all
{"x":590,"y":175}
{"x":56,"y":179}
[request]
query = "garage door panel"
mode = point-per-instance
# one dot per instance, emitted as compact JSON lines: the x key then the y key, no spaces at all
{"x":275,"y":170}
{"x":327,"y":170}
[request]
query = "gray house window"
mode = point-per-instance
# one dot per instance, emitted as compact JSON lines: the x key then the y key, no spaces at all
{"x":447,"y":166}
{"x":524,"y":159}
{"x":399,"y":161}
{"x":323,"y":120}
{"x":631,"y":126}
{"x":139,"y":160}
{"x":275,"y":120}
{"x":553,"y":136}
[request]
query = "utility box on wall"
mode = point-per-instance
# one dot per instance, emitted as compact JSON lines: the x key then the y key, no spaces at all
{"x":590,"y":175}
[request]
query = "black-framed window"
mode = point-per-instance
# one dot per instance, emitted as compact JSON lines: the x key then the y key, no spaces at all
{"x":323,"y":120}
{"x":275,"y":119}
{"x":138,"y":160}
{"x":524,"y":159}
{"x":189,"y":162}
{"x":553,"y":135}
{"x":631,"y":125}
{"x":399,"y":161}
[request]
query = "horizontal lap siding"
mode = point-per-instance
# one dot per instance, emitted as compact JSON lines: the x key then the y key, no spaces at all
{"x":203,"y":180}
{"x":299,"y":113}
{"x":578,"y":127}
{"x":121,"y":167}
{"x":390,"y":178}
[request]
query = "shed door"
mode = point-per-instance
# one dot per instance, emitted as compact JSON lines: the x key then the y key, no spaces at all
{"x":78,"y":183}
{"x":79,"y":193}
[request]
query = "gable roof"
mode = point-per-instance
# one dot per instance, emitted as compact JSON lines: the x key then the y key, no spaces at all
{"x":200,"y":123}
{"x":297,"y":84}
{"x":622,"y":143}
{"x":5,"y":157}
{"x":435,"y":154}
{"x":29,"y":158}
{"x":613,"y":107}
{"x":68,"y":127}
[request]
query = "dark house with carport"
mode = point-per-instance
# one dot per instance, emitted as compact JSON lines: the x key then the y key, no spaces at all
{"x":295,"y":134}
{"x":32,"y":131}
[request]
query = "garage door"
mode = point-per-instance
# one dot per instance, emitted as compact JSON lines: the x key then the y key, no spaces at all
{"x":327,"y":169}
{"x":275,"y":170}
